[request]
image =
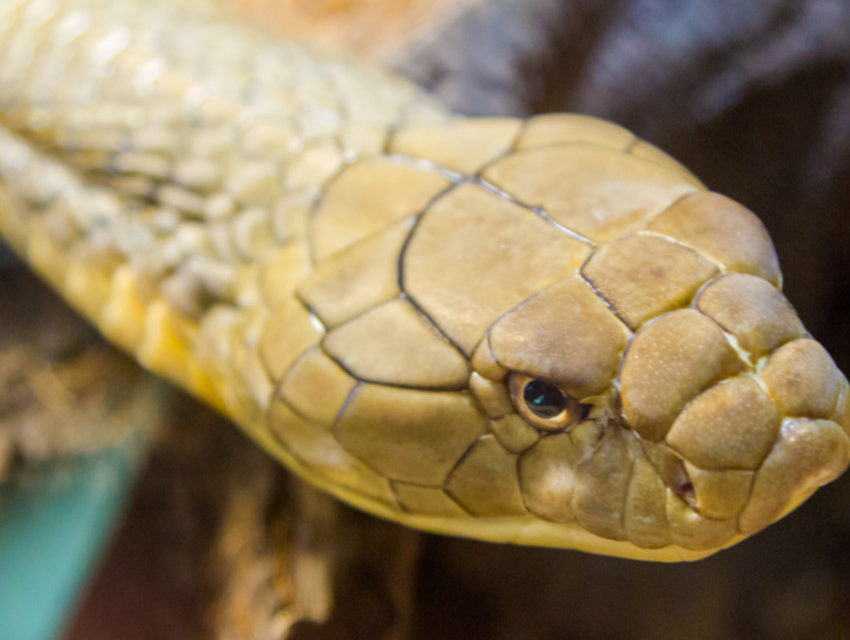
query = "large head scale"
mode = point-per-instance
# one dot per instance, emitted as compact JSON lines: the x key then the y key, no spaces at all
{"x":568,"y":343}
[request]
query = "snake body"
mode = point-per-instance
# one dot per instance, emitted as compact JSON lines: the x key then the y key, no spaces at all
{"x":541,"y":331}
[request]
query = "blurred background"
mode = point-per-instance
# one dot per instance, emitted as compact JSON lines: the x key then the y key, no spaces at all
{"x":753,"y":96}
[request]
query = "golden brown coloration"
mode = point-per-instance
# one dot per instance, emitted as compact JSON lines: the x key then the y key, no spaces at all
{"x":541,"y":332}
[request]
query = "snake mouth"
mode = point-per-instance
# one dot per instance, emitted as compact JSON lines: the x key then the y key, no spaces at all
{"x":670,"y":499}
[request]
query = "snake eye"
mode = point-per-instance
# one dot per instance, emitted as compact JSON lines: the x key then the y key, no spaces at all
{"x":543,"y":404}
{"x":543,"y":399}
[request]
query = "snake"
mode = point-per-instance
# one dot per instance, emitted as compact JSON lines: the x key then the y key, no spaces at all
{"x":538,"y":331}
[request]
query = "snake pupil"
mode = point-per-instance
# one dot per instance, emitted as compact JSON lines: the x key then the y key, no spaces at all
{"x":543,"y":399}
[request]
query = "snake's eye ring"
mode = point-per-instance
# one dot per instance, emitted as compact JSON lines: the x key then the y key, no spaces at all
{"x":543,"y":404}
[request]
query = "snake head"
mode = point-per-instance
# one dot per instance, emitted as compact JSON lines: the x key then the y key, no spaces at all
{"x":573,"y":344}
{"x":675,"y":402}
{"x":696,"y":428}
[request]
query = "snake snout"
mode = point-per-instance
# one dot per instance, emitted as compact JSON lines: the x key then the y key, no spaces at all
{"x":743,"y":458}
{"x":754,"y":409}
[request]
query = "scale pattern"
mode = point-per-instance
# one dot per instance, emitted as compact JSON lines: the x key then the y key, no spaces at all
{"x":354,"y":275}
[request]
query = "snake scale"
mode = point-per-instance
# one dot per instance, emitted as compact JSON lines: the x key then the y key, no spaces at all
{"x":539,"y":331}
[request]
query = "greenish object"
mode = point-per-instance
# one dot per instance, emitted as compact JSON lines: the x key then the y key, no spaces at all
{"x":54,"y":524}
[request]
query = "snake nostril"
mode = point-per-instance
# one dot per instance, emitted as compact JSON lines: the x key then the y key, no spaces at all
{"x":685,"y":490}
{"x":679,"y":480}
{"x":673,"y":472}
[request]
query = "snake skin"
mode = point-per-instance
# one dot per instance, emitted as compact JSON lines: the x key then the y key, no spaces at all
{"x":359,"y":278}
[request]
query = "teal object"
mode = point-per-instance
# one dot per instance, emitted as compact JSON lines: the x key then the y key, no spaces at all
{"x":54,"y":523}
